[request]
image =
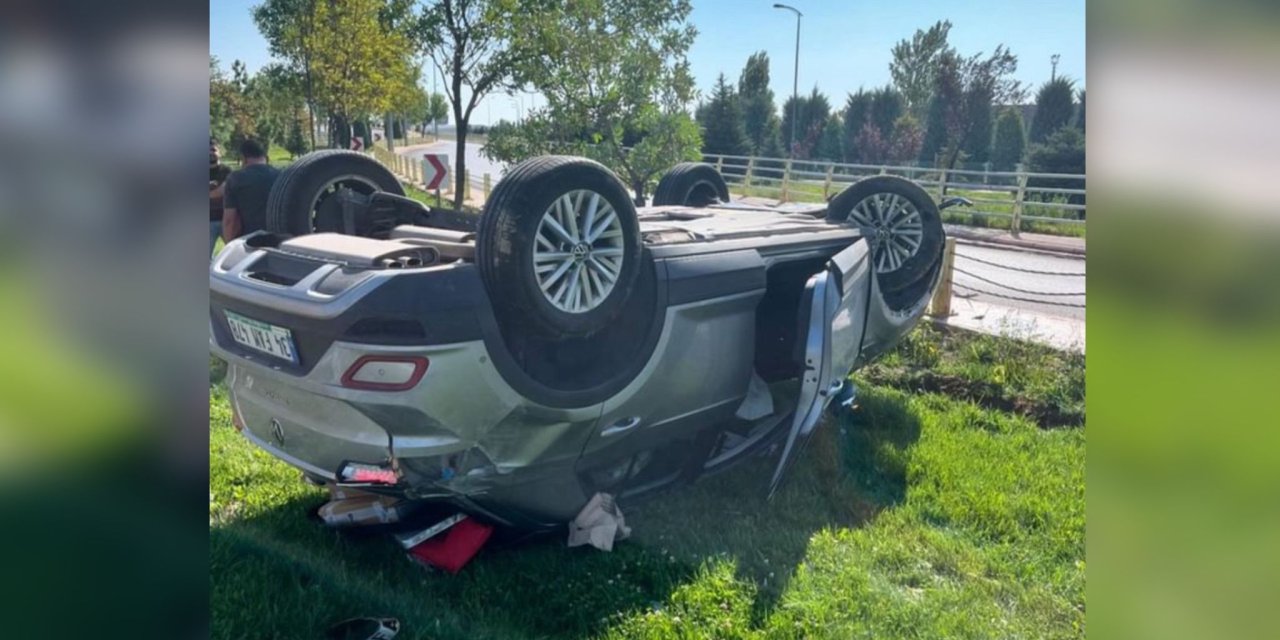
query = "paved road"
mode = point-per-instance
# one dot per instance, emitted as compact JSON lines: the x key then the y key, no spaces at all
{"x":1008,"y":274}
{"x":477,"y":164}
{"x":1014,"y":259}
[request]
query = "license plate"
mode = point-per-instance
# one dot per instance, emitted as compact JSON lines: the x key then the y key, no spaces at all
{"x":260,"y":336}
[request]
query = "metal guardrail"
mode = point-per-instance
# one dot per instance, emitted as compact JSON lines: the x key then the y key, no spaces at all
{"x":1011,"y":195}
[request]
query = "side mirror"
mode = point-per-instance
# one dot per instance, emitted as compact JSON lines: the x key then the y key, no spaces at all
{"x":953,"y":201}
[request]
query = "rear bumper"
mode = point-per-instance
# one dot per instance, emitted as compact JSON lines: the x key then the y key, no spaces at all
{"x":461,"y":435}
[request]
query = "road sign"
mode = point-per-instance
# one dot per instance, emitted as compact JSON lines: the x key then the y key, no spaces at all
{"x":357,"y":143}
{"x":435,"y":170}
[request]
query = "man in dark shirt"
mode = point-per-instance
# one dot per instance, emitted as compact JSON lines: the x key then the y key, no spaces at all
{"x":244,"y":204}
{"x":218,"y":173}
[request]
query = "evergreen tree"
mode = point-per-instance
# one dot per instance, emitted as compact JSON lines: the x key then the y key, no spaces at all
{"x":857,"y":108}
{"x":722,"y":123}
{"x":1080,"y":113}
{"x":1010,"y":140}
{"x":830,"y":146}
{"x":887,"y":105}
{"x":935,"y":131}
{"x":296,"y":143}
{"x":1054,"y":108}
{"x":977,"y":142}
{"x":813,"y":111}
{"x":760,"y":120}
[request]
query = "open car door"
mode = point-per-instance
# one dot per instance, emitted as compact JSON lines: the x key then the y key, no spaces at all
{"x":833,"y":313}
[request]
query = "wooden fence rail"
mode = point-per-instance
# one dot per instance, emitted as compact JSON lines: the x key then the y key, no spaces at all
{"x":1017,"y":196}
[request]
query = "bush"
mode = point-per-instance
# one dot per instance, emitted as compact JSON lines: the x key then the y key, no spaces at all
{"x":1063,"y":152}
{"x":1010,"y":141}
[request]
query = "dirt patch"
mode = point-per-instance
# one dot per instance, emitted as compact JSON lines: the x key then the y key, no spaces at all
{"x":985,"y":394}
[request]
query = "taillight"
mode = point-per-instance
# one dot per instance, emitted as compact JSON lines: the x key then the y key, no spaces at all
{"x":367,"y":473}
{"x":385,"y":373}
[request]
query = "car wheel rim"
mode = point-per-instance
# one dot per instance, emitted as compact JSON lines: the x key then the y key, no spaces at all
{"x":359,"y":184}
{"x":702,"y":194}
{"x":894,"y":225}
{"x":578,"y":251}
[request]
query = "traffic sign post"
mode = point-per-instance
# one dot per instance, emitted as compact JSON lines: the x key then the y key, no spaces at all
{"x":435,"y":172}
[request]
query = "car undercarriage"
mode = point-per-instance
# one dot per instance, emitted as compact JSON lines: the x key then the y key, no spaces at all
{"x":563,"y":344}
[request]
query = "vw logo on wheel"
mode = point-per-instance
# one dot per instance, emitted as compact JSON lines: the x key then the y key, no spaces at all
{"x":277,"y":431}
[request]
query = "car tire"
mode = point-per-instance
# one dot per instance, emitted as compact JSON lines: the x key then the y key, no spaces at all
{"x":537,"y":262}
{"x":902,"y":223}
{"x":691,"y":184}
{"x":302,"y":189}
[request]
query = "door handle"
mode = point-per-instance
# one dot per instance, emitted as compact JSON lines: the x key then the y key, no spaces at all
{"x":623,"y":424}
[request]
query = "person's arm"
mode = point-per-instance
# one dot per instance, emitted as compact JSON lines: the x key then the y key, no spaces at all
{"x":216,"y":193}
{"x":230,"y":224}
{"x":230,"y":217}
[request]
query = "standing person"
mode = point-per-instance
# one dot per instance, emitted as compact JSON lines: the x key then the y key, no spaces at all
{"x":244,"y":205}
{"x":218,"y":173}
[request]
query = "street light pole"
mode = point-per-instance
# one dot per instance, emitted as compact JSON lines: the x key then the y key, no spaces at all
{"x":795,"y":82}
{"x":1053,"y":59}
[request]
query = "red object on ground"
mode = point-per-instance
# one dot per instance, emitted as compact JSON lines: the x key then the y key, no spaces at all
{"x":454,"y":548}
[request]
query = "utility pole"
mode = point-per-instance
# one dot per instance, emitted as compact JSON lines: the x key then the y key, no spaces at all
{"x":795,"y":82}
{"x":435,"y":122}
{"x":1053,"y":59}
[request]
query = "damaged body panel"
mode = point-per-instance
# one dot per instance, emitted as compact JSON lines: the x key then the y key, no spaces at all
{"x":393,"y":364}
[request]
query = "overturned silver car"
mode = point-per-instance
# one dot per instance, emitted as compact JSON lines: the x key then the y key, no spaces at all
{"x":564,"y":344}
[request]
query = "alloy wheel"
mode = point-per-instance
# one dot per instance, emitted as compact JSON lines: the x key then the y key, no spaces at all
{"x":578,"y":251}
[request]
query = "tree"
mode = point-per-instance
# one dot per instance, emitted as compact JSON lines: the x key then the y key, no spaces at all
{"x":830,"y":146}
{"x":1010,"y":140}
{"x":1080,"y":113}
{"x":813,"y":112}
{"x":223,"y":103}
{"x":276,"y":99}
{"x":231,"y":113}
{"x":872,"y":147}
{"x":296,"y":142}
{"x":904,"y":145}
{"x":287,"y":26}
{"x":722,"y":125}
{"x":977,"y":141}
{"x":945,"y":110}
{"x":857,"y":108}
{"x":887,"y":105}
{"x":359,"y":58}
{"x":964,"y":89}
{"x":479,"y":46}
{"x":760,"y":119}
{"x":915,"y":64}
{"x":1054,"y":108}
{"x":438,"y":109}
{"x":617,"y":87}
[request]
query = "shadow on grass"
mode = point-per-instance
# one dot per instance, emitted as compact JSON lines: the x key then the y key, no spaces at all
{"x":313,"y":576}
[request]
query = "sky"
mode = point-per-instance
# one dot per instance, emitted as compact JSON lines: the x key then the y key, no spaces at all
{"x":844,"y":44}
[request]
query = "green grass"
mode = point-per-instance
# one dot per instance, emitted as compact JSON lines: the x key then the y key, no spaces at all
{"x":1029,"y":379}
{"x":913,"y":515}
